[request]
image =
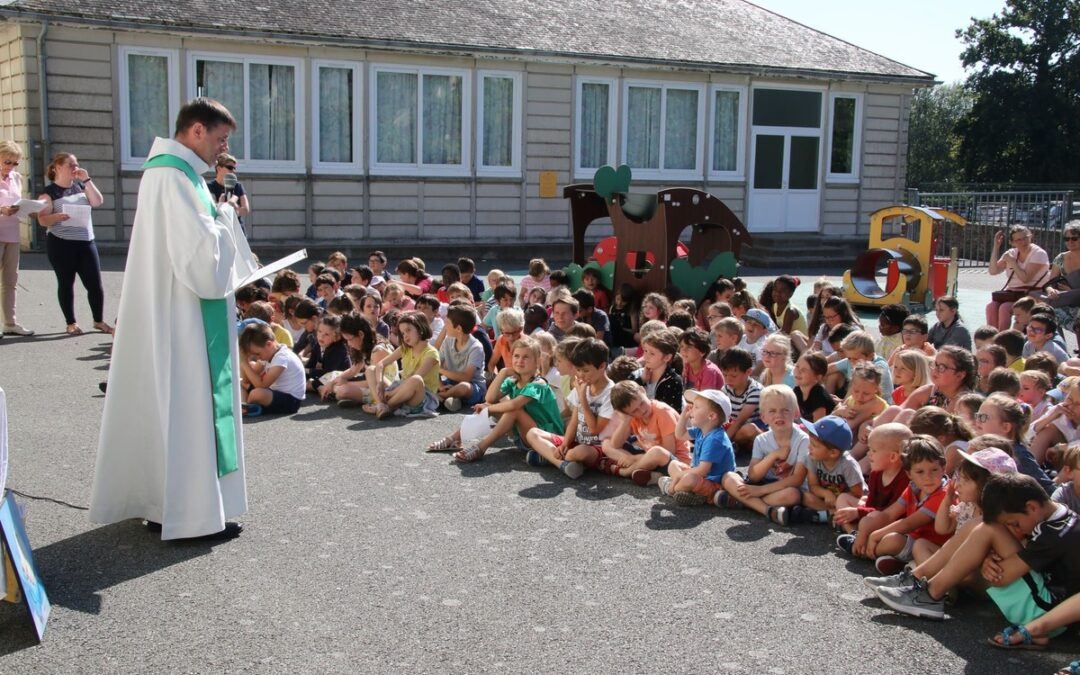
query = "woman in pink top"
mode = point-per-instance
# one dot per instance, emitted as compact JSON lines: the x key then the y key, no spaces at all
{"x":10,"y":192}
{"x":1027,"y":264}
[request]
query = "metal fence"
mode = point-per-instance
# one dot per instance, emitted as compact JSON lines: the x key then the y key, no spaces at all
{"x":1043,"y":212}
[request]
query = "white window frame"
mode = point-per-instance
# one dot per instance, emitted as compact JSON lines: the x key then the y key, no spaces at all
{"x":856,"y":139}
{"x":698,"y":171}
{"x":514,"y":170}
{"x":419,"y":168}
{"x":739,"y":174}
{"x":587,"y":173}
{"x":246,"y":164}
{"x":356,"y":166}
{"x":172,"y":56}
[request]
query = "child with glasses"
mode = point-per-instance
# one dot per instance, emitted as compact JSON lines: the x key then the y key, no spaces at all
{"x":1041,"y":330}
{"x":915,"y":335}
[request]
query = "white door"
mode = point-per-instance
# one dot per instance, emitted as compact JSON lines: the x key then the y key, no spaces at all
{"x":785,"y":159}
{"x":785,"y":183}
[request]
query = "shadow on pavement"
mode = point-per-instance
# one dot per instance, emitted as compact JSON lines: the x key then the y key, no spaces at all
{"x":77,"y":569}
{"x":669,"y":516}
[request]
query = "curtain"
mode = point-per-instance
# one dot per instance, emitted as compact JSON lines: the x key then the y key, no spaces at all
{"x":726,"y":132}
{"x":498,"y":121}
{"x":223,"y":81}
{"x":272,"y":96}
{"x":643,"y":128}
{"x":148,"y":101}
{"x":335,"y":114}
{"x":843,"y":135}
{"x":395,"y":113}
{"x":594,"y":125}
{"x":680,"y":129}
{"x":442,"y":119}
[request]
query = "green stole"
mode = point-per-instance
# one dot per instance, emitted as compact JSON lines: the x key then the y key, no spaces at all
{"x":215,"y":315}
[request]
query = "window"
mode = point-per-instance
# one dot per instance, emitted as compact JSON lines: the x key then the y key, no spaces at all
{"x":662,"y":125}
{"x":149,"y":100}
{"x":420,"y":121}
{"x":336,"y":127}
{"x":787,"y":108}
{"x":728,"y":140}
{"x":595,"y":138}
{"x":845,"y":137}
{"x":499,"y":124}
{"x":263,"y":94}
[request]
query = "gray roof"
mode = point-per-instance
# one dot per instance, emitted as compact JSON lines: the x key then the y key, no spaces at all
{"x":719,"y":34}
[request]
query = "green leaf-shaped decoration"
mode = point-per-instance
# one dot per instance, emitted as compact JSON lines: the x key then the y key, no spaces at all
{"x":607,"y":272}
{"x":608,"y":181}
{"x":694,"y":281}
{"x":573,"y":274}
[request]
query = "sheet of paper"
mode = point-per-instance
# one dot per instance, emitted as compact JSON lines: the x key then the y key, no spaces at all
{"x":80,"y":215}
{"x":29,"y":205}
{"x":272,"y":268}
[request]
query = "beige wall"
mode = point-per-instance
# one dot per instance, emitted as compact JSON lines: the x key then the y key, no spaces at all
{"x":83,"y":99}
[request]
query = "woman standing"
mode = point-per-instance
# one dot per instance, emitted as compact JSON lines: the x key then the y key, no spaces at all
{"x":1027,"y":265}
{"x":950,"y":329}
{"x":70,"y":246}
{"x":10,"y":192}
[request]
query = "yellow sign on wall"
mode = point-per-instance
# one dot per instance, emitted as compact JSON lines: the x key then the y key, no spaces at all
{"x":549,"y":184}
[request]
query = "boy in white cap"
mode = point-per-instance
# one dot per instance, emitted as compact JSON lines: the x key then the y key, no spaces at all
{"x":703,"y":422}
{"x":757,"y":326}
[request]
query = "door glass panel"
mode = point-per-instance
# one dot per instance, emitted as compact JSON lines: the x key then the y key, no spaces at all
{"x":785,"y":108}
{"x":768,"y":162}
{"x":803,"y":163}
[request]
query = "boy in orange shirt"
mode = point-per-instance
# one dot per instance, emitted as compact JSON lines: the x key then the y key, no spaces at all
{"x":653,"y":424}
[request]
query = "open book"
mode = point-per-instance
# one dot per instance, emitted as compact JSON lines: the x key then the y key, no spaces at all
{"x":272,"y":268}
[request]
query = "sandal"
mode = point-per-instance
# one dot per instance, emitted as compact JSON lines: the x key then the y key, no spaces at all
{"x":104,"y":327}
{"x":1028,"y":641}
{"x":444,"y":445}
{"x":251,"y":409}
{"x":469,"y":454}
{"x":382,"y":411}
{"x":779,"y":515}
{"x":73,"y":329}
{"x":1071,"y":669}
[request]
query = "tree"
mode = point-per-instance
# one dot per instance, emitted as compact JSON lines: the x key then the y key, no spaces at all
{"x":932,"y":138}
{"x":1024,"y":125}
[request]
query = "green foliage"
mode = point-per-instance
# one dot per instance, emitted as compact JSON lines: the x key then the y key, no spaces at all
{"x":932,"y":136}
{"x":1024,"y":124}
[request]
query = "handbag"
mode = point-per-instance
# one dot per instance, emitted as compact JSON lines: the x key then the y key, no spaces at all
{"x":1013,"y":294}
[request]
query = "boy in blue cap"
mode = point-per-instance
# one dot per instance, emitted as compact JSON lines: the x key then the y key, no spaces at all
{"x":831,"y":470}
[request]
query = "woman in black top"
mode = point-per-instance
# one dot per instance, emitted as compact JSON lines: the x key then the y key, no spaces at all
{"x":70,"y":246}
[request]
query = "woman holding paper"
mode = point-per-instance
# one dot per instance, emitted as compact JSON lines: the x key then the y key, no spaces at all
{"x":70,"y":242}
{"x":11,"y":191}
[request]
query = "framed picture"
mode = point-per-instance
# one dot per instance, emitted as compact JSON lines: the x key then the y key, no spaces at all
{"x":18,"y":553}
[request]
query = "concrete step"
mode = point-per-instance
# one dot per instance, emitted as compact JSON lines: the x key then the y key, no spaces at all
{"x":796,"y":252}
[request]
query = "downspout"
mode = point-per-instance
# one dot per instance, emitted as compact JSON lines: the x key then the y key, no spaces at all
{"x":43,"y":103}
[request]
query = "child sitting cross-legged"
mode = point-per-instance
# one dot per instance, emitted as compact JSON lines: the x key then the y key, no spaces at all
{"x":888,"y":480}
{"x":702,"y":422}
{"x":814,"y":400}
{"x":414,"y":393}
{"x":461,"y":361}
{"x":521,"y":398}
{"x":329,"y":355}
{"x":652,"y":423}
{"x":698,"y":372}
{"x":590,"y":405}
{"x":742,"y":392}
{"x":365,"y":347}
{"x":910,"y":518}
{"x":276,"y":379}
{"x":831,"y":470}
{"x":777,"y":469}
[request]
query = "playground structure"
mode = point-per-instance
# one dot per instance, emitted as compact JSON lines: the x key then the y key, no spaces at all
{"x":916,"y":272}
{"x":646,"y":252}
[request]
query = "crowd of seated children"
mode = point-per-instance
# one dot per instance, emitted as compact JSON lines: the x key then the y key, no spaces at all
{"x":969,"y":457}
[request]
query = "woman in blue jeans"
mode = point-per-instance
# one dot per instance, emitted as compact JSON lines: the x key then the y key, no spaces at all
{"x":70,"y":243}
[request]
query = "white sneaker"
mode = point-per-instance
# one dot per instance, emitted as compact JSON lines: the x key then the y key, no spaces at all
{"x":453,"y":404}
{"x":16,"y":329}
{"x":664,"y":483}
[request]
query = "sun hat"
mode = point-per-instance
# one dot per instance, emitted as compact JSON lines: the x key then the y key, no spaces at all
{"x":994,"y":460}
{"x":715,"y":395}
{"x":830,"y":430}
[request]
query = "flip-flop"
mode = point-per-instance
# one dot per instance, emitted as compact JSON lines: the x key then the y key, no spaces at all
{"x":74,"y":329}
{"x":1028,"y":642}
{"x":252,"y":409}
{"x":446,"y":444}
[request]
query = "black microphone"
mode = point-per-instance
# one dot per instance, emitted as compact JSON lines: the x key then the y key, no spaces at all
{"x":230,"y":185}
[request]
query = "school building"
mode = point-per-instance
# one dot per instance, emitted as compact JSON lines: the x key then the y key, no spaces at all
{"x":435,"y":124}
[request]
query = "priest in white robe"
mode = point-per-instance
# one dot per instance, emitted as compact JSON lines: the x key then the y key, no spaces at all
{"x":171,"y":446}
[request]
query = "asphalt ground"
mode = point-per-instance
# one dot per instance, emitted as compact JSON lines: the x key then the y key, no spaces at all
{"x":363,"y":554}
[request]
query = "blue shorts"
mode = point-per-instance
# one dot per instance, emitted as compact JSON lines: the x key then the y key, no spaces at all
{"x":282,"y":404}
{"x":477,"y":395}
